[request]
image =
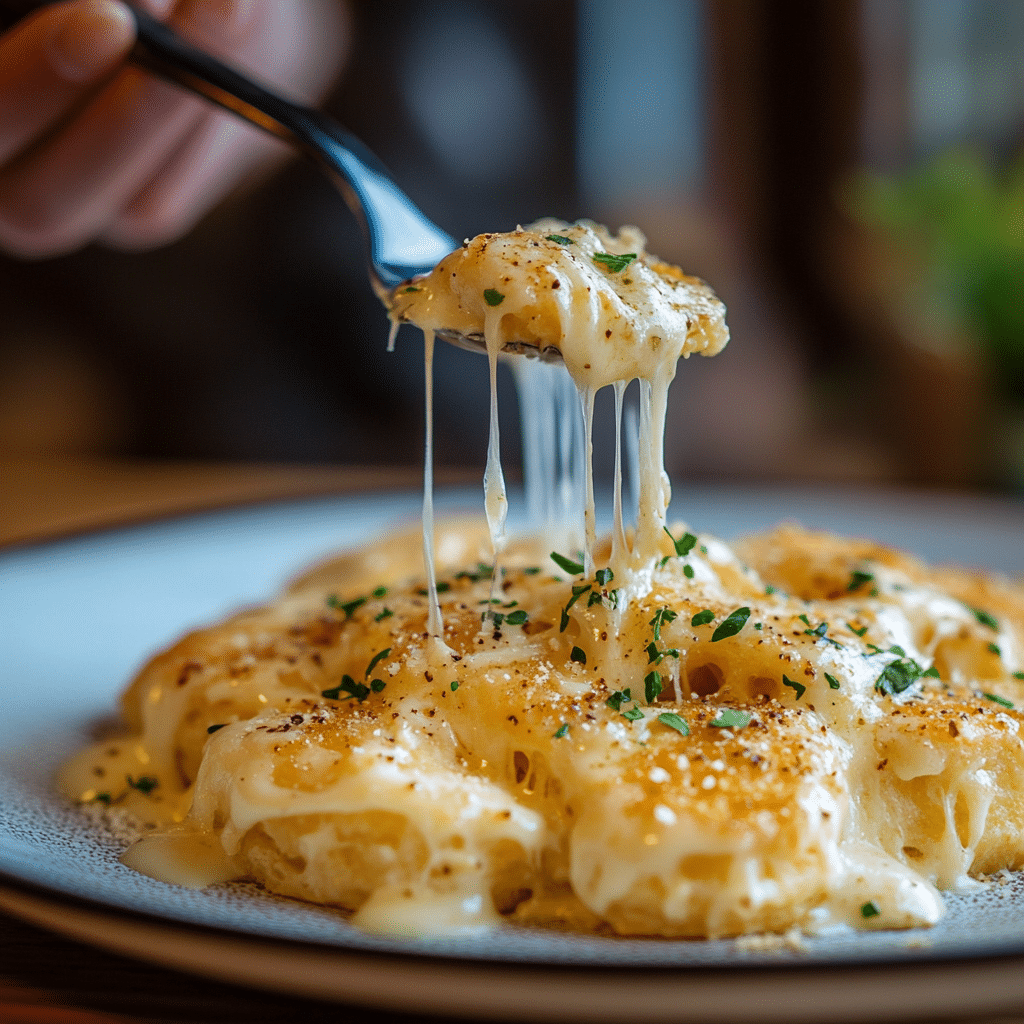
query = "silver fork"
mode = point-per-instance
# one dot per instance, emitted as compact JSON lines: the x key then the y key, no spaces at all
{"x":402,"y":242}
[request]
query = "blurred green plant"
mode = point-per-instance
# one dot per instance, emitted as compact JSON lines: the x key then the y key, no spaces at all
{"x":962,"y":219}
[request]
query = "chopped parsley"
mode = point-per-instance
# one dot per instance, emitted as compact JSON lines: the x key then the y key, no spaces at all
{"x":578,"y":655}
{"x":1018,"y":675}
{"x":492,"y":297}
{"x":688,"y":571}
{"x":769,"y":590}
{"x":595,"y":598}
{"x":377,"y":659}
{"x":858,"y":579}
{"x":564,"y":621}
{"x":516,"y":618}
{"x":563,"y":731}
{"x":411,"y":288}
{"x":567,"y":564}
{"x":145,"y":784}
{"x":377,"y":685}
{"x":560,"y":239}
{"x":931,"y":673}
{"x":703,"y":618}
{"x":898,"y":676}
{"x":869,"y":909}
{"x":995,"y":649}
{"x":685,"y":543}
{"x":577,"y":593}
{"x":348,"y":607}
{"x":995,"y":698}
{"x":633,"y":714}
{"x":652,"y":686}
{"x":349,"y":686}
{"x":213,"y":728}
{"x":613,"y":262}
{"x":604,"y":576}
{"x":730,"y":718}
{"x":380,"y":592}
{"x":832,"y":681}
{"x":793,"y":685}
{"x":384,"y":613}
{"x":532,"y":570}
{"x":102,"y":798}
{"x":455,"y":685}
{"x":618,"y":698}
{"x":673,"y":721}
{"x":661,"y":616}
{"x":985,"y":619}
{"x":731,"y":625}
{"x":853,"y":629}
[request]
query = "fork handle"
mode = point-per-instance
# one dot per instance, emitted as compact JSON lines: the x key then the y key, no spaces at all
{"x":387,"y":216}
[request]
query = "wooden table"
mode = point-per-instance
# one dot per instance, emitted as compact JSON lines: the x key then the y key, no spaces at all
{"x":45,"y":979}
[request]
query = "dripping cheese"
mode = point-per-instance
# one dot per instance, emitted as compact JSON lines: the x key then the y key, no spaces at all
{"x":658,"y":734}
{"x":778,"y":773}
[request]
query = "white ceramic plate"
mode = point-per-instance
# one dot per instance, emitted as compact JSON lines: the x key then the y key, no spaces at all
{"x":79,"y":616}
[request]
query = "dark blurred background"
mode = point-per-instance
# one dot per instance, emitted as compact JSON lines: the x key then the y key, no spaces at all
{"x":844,"y":172}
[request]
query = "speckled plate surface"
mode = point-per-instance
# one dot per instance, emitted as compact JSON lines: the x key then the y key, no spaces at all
{"x":79,"y":616}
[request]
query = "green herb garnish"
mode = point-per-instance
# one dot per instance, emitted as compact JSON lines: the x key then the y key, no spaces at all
{"x":144,"y":784}
{"x":349,"y":686}
{"x":832,"y":681}
{"x":380,"y":592}
{"x":858,"y":579}
{"x":931,"y":673}
{"x":688,"y":571}
{"x":998,"y":700}
{"x":376,"y":660}
{"x":633,"y":714}
{"x":348,"y":607}
{"x":794,"y":685}
{"x":618,"y":698}
{"x":661,"y":616}
{"x":377,"y":685}
{"x":730,"y":718}
{"x":995,"y":649}
{"x":985,"y":619}
{"x":673,"y":721}
{"x":613,"y":262}
{"x":578,"y":655}
{"x":564,"y":621}
{"x":853,"y":629}
{"x":898,"y":676}
{"x":560,"y":239}
{"x":604,"y":576}
{"x":685,"y":543}
{"x":731,"y":625}
{"x":492,"y":297}
{"x":703,"y":618}
{"x":563,"y":731}
{"x":869,"y":909}
{"x":567,"y":564}
{"x":213,"y":728}
{"x":385,"y":613}
{"x":455,"y":685}
{"x":411,"y":288}
{"x":516,"y":618}
{"x":652,"y":686}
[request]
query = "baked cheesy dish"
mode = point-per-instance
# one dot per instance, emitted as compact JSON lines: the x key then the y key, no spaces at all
{"x":656,"y":733}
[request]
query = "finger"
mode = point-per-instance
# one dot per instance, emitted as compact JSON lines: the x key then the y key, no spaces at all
{"x":213,"y":160}
{"x":224,"y":151}
{"x":49,"y":62}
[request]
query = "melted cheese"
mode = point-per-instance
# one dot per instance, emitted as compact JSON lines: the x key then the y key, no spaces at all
{"x":452,"y":744}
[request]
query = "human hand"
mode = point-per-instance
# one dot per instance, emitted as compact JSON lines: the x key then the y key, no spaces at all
{"x":94,"y":150}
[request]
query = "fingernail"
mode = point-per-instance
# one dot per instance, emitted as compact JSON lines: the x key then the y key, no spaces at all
{"x":92,"y":36}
